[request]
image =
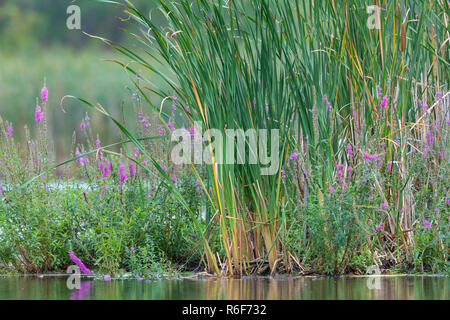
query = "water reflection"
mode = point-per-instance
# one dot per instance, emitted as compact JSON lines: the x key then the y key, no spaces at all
{"x":306,"y":288}
{"x":80,"y":294}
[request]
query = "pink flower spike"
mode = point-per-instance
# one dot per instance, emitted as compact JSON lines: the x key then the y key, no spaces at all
{"x":331,"y":189}
{"x":107,"y":278}
{"x":349,"y":149}
{"x":383,"y":206}
{"x":44,"y":94}
{"x":9,"y":131}
{"x":123,"y":175}
{"x":384,"y":101}
{"x":294,"y":156}
{"x":369,"y":156}
{"x":79,"y":263}
{"x":378,"y":226}
{"x":38,"y":114}
{"x":132,"y":169}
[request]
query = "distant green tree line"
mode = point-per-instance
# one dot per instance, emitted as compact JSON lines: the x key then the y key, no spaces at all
{"x":32,"y":24}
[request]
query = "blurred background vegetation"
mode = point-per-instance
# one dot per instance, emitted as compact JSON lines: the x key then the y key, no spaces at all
{"x":37,"y":47}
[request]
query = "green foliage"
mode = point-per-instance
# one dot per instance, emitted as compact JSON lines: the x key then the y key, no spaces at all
{"x":363,"y":149}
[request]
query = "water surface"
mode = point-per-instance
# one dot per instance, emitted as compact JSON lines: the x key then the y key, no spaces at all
{"x":306,"y":288}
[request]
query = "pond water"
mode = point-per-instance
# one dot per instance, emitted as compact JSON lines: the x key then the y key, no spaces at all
{"x":306,"y":288}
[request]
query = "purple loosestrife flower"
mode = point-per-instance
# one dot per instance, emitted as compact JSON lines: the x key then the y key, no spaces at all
{"x":131,"y":250}
{"x":38,"y":114}
{"x":327,"y":103}
{"x":44,"y":94}
{"x":426,"y":223}
{"x":174,"y":178}
{"x":438,"y":216}
{"x":79,"y":263}
{"x":383,"y":206}
{"x":82,"y":160}
{"x":106,"y":168}
{"x":349,"y":150}
{"x":144,"y":119}
{"x":161,"y":130}
{"x":107,"y":278}
{"x":424,"y":106}
{"x":331,"y":189}
{"x":369,"y":156}
{"x":383,"y":102}
{"x":83,"y":124}
{"x":294,"y":156}
{"x":283,"y":174}
{"x":192,"y":131}
{"x":1,"y":189}
{"x":388,"y":166}
{"x":199,"y":185}
{"x":132,"y":169}
{"x":9,"y":130}
{"x":164,"y":168}
{"x":171,"y":125}
{"x":123,"y":175}
{"x":379,"y":226}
